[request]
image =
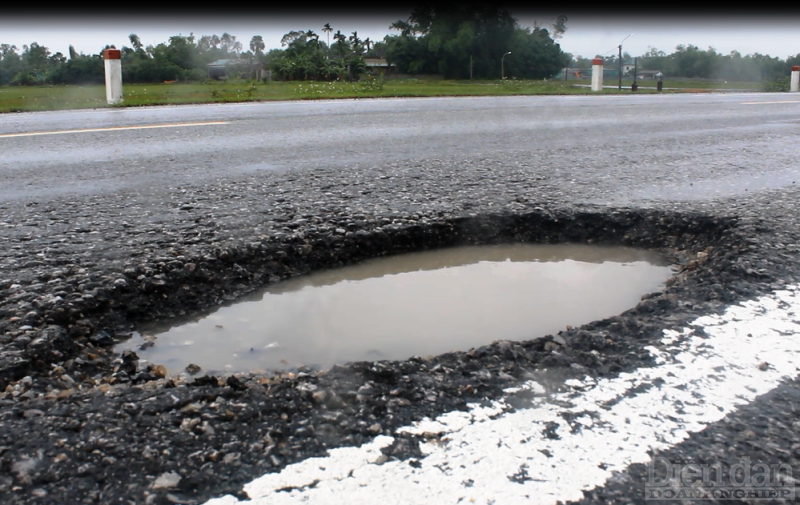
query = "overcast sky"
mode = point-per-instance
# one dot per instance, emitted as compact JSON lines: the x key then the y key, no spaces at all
{"x":587,"y":34}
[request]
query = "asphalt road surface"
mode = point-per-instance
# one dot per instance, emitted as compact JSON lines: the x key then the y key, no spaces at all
{"x":658,"y":139}
{"x":126,"y":185}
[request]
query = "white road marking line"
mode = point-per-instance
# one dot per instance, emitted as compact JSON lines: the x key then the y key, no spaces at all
{"x":779,"y":101}
{"x":111,"y":128}
{"x":703,"y":380}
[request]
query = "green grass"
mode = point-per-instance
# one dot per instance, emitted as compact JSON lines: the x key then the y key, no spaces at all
{"x":38,"y":98}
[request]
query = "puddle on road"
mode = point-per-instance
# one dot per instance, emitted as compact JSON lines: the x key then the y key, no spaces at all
{"x":414,"y":304}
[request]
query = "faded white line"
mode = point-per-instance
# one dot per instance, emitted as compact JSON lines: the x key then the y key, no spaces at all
{"x":748,"y":351}
{"x":779,"y":101}
{"x":111,"y":128}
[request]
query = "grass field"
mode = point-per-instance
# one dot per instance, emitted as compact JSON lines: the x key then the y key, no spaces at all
{"x":38,"y":98}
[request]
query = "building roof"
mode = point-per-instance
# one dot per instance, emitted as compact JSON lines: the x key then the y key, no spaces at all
{"x":377,"y":62}
{"x":223,"y":63}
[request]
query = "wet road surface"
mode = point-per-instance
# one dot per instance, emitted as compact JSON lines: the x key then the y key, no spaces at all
{"x":633,"y":147}
{"x":166,"y":182}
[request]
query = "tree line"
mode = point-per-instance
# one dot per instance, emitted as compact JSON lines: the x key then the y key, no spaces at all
{"x":457,"y":41}
{"x":693,"y":62}
{"x":181,"y":58}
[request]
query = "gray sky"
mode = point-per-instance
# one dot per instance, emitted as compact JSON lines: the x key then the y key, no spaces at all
{"x":586,"y":35}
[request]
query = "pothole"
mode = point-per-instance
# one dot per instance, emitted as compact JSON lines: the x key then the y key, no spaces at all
{"x":424,"y":303}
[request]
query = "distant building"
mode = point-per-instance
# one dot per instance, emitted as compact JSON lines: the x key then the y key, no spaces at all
{"x":628,"y":67}
{"x":648,"y":74}
{"x":219,"y":69}
{"x":607,"y":72}
{"x":223,"y":69}
{"x":379,"y":65}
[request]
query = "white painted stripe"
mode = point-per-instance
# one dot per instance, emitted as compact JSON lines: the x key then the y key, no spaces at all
{"x":111,"y":128}
{"x":779,"y":101}
{"x":707,"y":376}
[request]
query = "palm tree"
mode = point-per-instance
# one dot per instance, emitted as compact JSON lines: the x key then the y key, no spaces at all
{"x":328,"y":30}
{"x":357,"y":43}
{"x":341,"y":42}
{"x":310,"y":35}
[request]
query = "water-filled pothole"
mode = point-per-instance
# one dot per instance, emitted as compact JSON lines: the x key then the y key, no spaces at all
{"x":414,"y":304}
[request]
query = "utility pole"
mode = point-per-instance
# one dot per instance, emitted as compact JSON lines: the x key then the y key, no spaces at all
{"x":620,"y":61}
{"x":502,"y":67}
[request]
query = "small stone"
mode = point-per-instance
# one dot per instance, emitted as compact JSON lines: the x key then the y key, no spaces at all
{"x":763,"y":366}
{"x":306,"y":387}
{"x":177,"y":499}
{"x":61,"y":457}
{"x":159,"y":371}
{"x":192,"y":369}
{"x":235,"y":383}
{"x":32,"y":413}
{"x":230,"y":458}
{"x":207,"y":429}
{"x":102,"y":338}
{"x":551,"y":346}
{"x":120,"y":283}
{"x":167,"y":481}
{"x":383,"y":458}
{"x":39,"y":493}
{"x":65,"y":393}
{"x":366,"y":390}
{"x":192,"y":408}
{"x":375,"y":429}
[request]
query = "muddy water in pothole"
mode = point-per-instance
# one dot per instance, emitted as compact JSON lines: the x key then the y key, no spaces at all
{"x":414,"y":304}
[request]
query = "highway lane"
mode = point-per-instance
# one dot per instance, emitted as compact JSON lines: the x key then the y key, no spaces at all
{"x":697,"y":137}
{"x":119,"y":195}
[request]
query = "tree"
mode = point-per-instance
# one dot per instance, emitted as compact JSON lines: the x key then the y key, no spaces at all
{"x":459,"y":40}
{"x":405,"y":28}
{"x":341,"y":43}
{"x":257,"y":45}
{"x":291,"y":37}
{"x":328,"y":30}
{"x":135,"y":41}
{"x":559,"y":27}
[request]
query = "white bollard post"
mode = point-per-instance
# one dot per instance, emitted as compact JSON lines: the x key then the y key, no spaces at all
{"x":113,"y":62}
{"x":794,"y":87}
{"x":597,"y":74}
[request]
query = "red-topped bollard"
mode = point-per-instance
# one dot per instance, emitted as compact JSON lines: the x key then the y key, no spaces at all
{"x":795,"y":79}
{"x":597,"y":74}
{"x":113,"y":63}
